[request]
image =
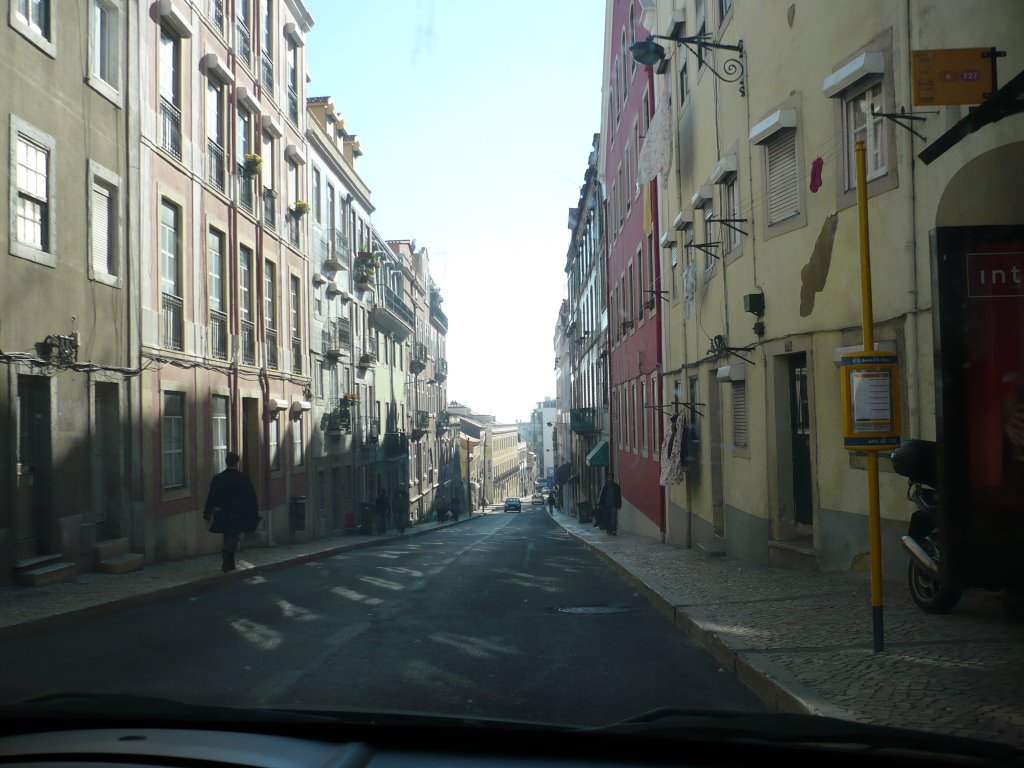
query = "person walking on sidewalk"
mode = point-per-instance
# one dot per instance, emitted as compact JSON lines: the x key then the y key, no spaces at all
{"x":610,"y":501}
{"x":400,"y":508}
{"x":231,"y":508}
{"x":382,"y":507}
{"x":551,"y":503}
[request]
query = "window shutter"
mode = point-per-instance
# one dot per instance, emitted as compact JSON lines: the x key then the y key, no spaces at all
{"x":101,"y":251}
{"x":739,"y":414}
{"x":783,"y":183}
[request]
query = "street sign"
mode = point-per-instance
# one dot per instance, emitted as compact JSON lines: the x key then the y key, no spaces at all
{"x":870,"y":392}
{"x":952,"y":76}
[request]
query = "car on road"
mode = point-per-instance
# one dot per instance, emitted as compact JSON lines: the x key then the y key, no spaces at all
{"x":538,"y":498}
{"x":513,"y":503}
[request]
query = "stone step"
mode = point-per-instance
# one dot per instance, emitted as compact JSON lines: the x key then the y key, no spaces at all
{"x":29,"y":563}
{"x":47,"y":574}
{"x":123,"y":563}
{"x":108,"y":548}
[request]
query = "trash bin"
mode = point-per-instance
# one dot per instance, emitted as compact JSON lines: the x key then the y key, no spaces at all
{"x":366,"y":512}
{"x":583,"y":511}
{"x":297,"y":513}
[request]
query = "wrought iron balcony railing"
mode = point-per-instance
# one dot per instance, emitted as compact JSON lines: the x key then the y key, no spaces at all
{"x":218,"y":334}
{"x":215,"y":171}
{"x":418,"y":361}
{"x":422,"y":419}
{"x":296,"y":355}
{"x":248,"y":342}
{"x":293,"y":104}
{"x":172,"y":314}
{"x":272,"y":349}
{"x":268,"y":74}
{"x":215,"y":12}
{"x":245,"y":193}
{"x":584,"y":421}
{"x":270,"y":209}
{"x":170,"y":128}
{"x":244,"y":47}
{"x":396,"y":304}
{"x":337,"y":336}
{"x":437,"y":317}
{"x":441,"y":369}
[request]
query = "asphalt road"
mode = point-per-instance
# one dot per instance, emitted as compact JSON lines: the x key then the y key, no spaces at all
{"x":501,"y":616}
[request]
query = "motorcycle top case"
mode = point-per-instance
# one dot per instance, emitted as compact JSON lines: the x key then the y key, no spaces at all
{"x":917,"y":460}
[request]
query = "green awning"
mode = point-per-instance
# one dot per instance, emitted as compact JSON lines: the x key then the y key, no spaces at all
{"x":599,"y":456}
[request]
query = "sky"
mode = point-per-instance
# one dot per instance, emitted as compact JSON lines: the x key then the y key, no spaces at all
{"x":476,"y":120}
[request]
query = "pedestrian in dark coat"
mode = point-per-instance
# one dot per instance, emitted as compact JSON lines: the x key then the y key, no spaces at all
{"x":231,"y":508}
{"x":551,"y":503}
{"x":400,"y":508}
{"x":610,"y":501}
{"x":382,"y":508}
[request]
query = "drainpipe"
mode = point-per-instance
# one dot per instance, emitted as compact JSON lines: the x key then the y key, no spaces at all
{"x":910,"y":368}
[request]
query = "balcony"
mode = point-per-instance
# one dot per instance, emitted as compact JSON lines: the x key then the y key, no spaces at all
{"x":270,"y":209}
{"x":170,"y":128}
{"x":337,"y":337}
{"x":248,"y":342}
{"x":296,"y":355}
{"x":391,"y":314}
{"x":584,"y":421}
{"x":272,"y":349}
{"x":245,"y":194}
{"x":440,"y":369}
{"x":395,"y":444}
{"x":334,"y":249}
{"x":215,"y":171}
{"x":437,"y":318}
{"x":268,"y":74}
{"x":418,"y":361}
{"x":422,"y":419}
{"x":293,"y":104}
{"x":244,"y":47}
{"x":172,"y":315}
{"x":367,"y":357}
{"x":218,"y":334}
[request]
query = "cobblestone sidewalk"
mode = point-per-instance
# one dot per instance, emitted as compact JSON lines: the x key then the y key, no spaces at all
{"x":803,"y":641}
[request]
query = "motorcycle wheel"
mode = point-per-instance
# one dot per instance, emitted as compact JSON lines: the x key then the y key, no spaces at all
{"x":929,"y":593}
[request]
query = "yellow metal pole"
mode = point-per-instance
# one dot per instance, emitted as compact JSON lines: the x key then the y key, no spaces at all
{"x":874,"y":515}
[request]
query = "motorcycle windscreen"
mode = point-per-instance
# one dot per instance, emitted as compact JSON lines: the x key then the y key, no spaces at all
{"x":979,"y":324}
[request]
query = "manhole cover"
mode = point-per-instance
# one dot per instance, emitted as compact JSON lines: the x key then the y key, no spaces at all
{"x":587,"y":609}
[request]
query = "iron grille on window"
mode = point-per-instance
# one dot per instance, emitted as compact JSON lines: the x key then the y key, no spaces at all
{"x":271,"y":349}
{"x":170,"y":128}
{"x":172,"y":314}
{"x":244,"y":45}
{"x":244,"y":189}
{"x":219,"y":334}
{"x":215,"y":164}
{"x":269,"y":209}
{"x":248,"y":342}
{"x":215,"y":10}
{"x":293,"y":104}
{"x":268,"y":74}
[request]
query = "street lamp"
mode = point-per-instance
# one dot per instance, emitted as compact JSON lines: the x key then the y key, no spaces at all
{"x":649,"y":53}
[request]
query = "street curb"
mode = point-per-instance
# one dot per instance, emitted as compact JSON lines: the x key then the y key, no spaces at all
{"x":196,"y":585}
{"x":773,"y":685}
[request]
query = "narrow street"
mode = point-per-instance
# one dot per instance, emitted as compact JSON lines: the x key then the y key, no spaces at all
{"x":502,"y":616}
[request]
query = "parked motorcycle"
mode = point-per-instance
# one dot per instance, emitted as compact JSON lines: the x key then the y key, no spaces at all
{"x":917,"y":460}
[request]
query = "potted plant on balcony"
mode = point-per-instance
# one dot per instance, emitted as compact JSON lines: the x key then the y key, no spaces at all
{"x":300,"y":209}
{"x":365,"y":268}
{"x":251,"y":165}
{"x":339,"y":420}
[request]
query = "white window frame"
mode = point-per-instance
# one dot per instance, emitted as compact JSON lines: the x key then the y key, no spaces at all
{"x":777,"y":142}
{"x":219,"y":431}
{"x":98,"y":175}
{"x":22,"y":131}
{"x":274,"y":441}
{"x":105,"y":49}
{"x":298,"y":452}
{"x":22,"y":23}
{"x":874,"y":129}
{"x":731,"y":238}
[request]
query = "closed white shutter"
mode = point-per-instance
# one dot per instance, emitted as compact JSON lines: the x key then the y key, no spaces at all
{"x":783,"y":183}
{"x":101,"y":218}
{"x":739,"y":414}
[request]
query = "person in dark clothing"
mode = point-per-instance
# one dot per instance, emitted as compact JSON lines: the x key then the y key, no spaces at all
{"x":551,"y":503}
{"x":231,"y":508}
{"x":610,"y":501}
{"x":400,"y":508}
{"x":455,"y":506}
{"x":382,"y":507}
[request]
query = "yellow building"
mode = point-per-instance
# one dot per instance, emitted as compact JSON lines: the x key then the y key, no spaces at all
{"x":760,"y":256}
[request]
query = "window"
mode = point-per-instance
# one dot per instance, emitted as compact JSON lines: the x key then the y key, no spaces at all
{"x":215,"y":283}
{"x":172,"y":313}
{"x":297,"y":353}
{"x":269,"y":194}
{"x":739,"y":414}
{"x":707,"y":213}
{"x":245,"y":283}
{"x":243,"y":27}
{"x":859,"y":124}
{"x":104,"y":45}
{"x":215,"y":134}
{"x":297,"y":444}
{"x":317,"y":209}
{"x":782,"y":176}
{"x":33,"y":20}
{"x":730,"y":210}
{"x":293,"y":82}
{"x":172,"y":436}
{"x":273,"y":439}
{"x":219,"y":432}
{"x":32,"y":187}
{"x":268,"y":47}
{"x":215,"y":13}
{"x":243,"y":129}
{"x":293,"y":195}
{"x":702,"y":28}
{"x":170,"y":93}
{"x":724,"y":6}
{"x":104,"y":264}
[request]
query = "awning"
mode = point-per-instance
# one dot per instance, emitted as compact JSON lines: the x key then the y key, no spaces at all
{"x":599,"y":456}
{"x":562,"y":473}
